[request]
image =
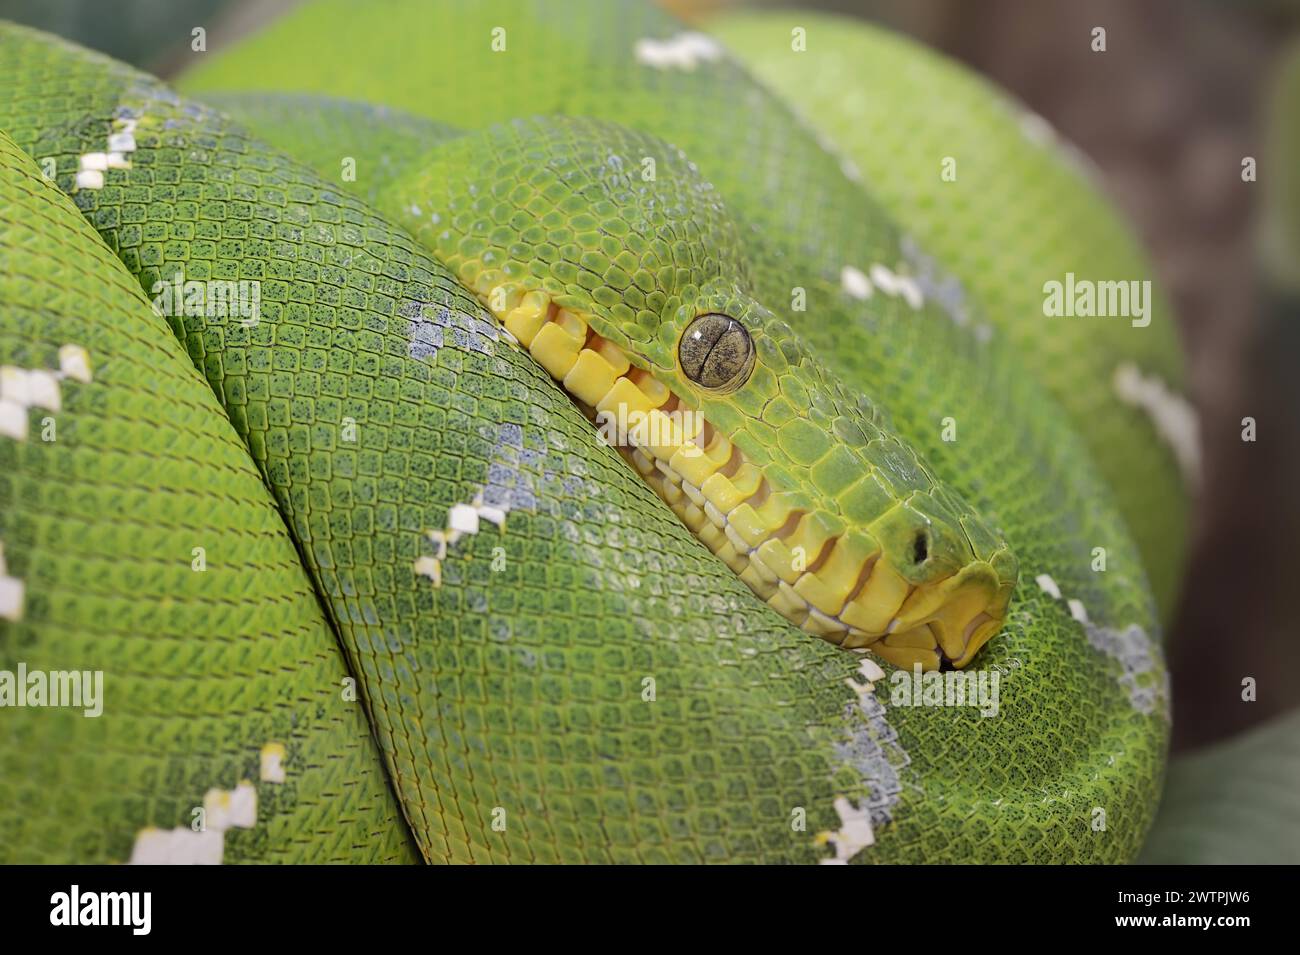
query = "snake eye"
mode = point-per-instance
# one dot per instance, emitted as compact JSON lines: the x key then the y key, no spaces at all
{"x":716,"y":352}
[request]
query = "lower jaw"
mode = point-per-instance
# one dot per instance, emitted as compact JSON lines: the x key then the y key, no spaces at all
{"x":599,"y":378}
{"x":917,"y":643}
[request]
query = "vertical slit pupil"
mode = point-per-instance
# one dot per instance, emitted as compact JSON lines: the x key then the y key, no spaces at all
{"x":716,"y":352}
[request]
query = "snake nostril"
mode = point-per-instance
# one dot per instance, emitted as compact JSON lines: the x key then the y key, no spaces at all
{"x":920,"y":548}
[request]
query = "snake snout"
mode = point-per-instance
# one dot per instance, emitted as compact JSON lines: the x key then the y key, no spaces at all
{"x":793,"y":478}
{"x":847,"y":552}
{"x":947,"y":622}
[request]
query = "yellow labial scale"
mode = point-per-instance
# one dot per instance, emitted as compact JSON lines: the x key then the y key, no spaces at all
{"x":486,"y":281}
{"x":923,"y":602}
{"x":501,"y":297}
{"x":762,"y":571}
{"x":692,"y":424}
{"x":824,"y":626}
{"x":950,"y":627}
{"x":719,"y":448}
{"x":951,"y":605}
{"x":526,"y":319}
{"x":612,"y":354}
{"x":627,"y":396}
{"x":505,"y":299}
{"x":775,"y":511}
{"x":679,"y":508}
{"x":712,"y":536}
{"x":810,"y":535}
{"x":695,"y":518}
{"x":879,"y":601}
{"x":556,"y":348}
{"x":745,"y":521}
{"x":654,"y":389}
{"x":747,"y":479}
{"x":672,"y":493}
{"x":694,"y":493}
{"x":921,"y":638}
{"x":778,"y":559}
{"x":843,"y":568}
{"x":525,"y":322}
{"x":665,"y":435}
{"x":536,"y":301}
{"x":857,"y":639}
{"x":759,"y":579}
{"x":573,"y":324}
{"x":906,"y":657}
{"x":643,"y":463}
{"x":732,"y":558}
{"x":727,"y":493}
{"x":721,"y":492}
{"x":668,"y":473}
{"x":590,"y":378}
{"x":811,"y":589}
{"x":693,"y":464}
{"x":787,"y":603}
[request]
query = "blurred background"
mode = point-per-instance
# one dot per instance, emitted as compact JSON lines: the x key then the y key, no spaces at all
{"x":1187,"y":90}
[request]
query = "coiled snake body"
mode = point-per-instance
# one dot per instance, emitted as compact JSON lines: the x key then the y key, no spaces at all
{"x":364,"y":578}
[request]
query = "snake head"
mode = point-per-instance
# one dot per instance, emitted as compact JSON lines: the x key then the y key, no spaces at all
{"x":608,"y":256}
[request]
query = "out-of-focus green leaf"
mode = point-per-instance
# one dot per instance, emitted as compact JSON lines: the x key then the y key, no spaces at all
{"x":1237,"y":802}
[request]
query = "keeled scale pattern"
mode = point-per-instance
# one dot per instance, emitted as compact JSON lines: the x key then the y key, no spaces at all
{"x":1020,"y":213}
{"x":385,"y":145}
{"x":512,"y":696}
{"x":560,"y":205}
{"x":1022,"y":786}
{"x":1016,"y":217}
{"x":200,"y":669}
{"x":1039,"y":487}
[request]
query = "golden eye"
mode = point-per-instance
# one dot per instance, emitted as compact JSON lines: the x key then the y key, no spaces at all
{"x":716,"y":352}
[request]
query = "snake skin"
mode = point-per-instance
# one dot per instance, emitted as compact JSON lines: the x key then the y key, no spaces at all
{"x":1022,"y":210}
{"x":201,"y":669}
{"x":589,"y":683}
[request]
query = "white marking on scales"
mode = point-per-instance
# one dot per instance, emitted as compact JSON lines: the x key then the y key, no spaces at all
{"x":1173,"y":416}
{"x":854,"y":835}
{"x":861,"y":285}
{"x":92,"y":166}
{"x":271,"y":769}
{"x":22,"y":389}
{"x":462,"y":520}
{"x":855,"y":282}
{"x":1048,"y":586}
{"x":685,"y":51}
{"x":1142,"y":677}
{"x":11,"y":591}
{"x":222,"y":809}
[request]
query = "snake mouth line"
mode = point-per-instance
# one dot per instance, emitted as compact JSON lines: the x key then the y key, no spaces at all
{"x":840,"y":590}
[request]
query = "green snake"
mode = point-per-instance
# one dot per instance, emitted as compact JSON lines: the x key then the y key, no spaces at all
{"x":575,"y":344}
